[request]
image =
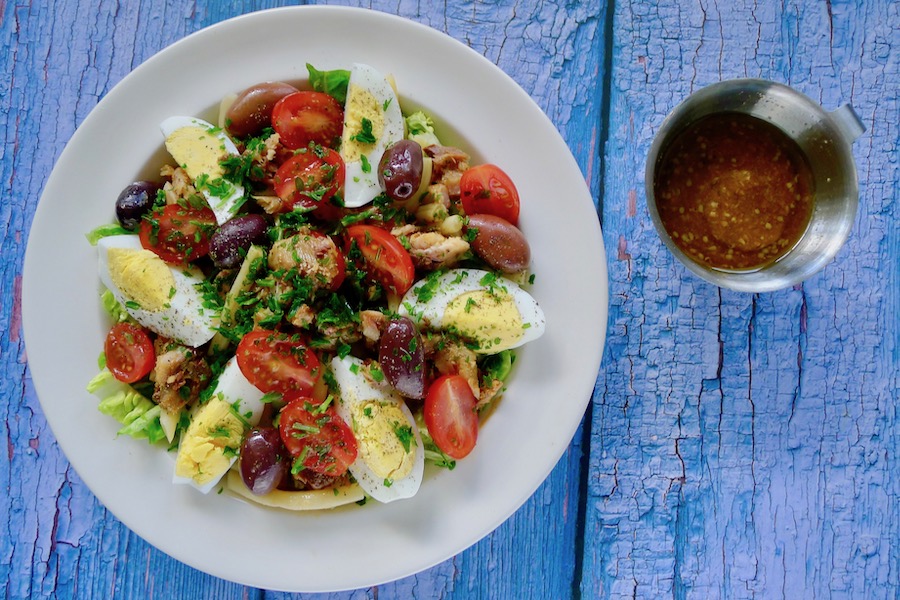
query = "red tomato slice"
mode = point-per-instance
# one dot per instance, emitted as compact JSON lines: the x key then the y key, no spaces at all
{"x":309,"y":178}
{"x":320,"y":438}
{"x":304,"y":117}
{"x":277,"y":362}
{"x":384,"y":257}
{"x":178,"y":234}
{"x":129,"y":352}
{"x":450,"y":415}
{"x":486,"y":189}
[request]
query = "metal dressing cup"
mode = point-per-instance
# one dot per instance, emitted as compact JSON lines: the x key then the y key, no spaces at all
{"x":825,"y":140}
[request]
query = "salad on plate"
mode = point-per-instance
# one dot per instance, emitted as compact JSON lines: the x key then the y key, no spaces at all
{"x":316,"y":298}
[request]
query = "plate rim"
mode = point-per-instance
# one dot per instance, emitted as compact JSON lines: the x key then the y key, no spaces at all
{"x":40,"y":214}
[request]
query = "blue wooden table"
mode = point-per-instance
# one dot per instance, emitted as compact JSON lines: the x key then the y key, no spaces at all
{"x":736,"y":446}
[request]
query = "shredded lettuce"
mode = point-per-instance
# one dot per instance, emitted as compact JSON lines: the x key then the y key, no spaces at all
{"x":433,"y":454}
{"x":103,"y":231}
{"x":113,"y":307}
{"x":139,"y":415}
{"x":334,"y":83}
{"x":101,"y":379}
{"x":421,"y":129}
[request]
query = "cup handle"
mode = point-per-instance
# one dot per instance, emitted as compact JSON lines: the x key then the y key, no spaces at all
{"x":848,"y":122}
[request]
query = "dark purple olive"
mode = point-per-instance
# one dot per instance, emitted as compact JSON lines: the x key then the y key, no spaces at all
{"x":499,"y":243}
{"x":402,"y":357}
{"x":263,"y":465}
{"x":230,"y":242}
{"x":135,"y":201}
{"x":251,"y":111}
{"x":400,"y":170}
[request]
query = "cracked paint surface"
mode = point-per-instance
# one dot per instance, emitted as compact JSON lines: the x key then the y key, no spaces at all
{"x":744,"y":445}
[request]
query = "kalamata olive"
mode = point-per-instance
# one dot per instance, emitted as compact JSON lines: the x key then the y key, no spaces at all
{"x":263,"y":465}
{"x":135,"y":201}
{"x":230,"y":241}
{"x":251,"y":111}
{"x":499,"y":243}
{"x":402,"y":357}
{"x":400,"y":170}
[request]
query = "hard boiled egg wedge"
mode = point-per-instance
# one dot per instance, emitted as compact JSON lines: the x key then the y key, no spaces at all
{"x":491,"y":311}
{"x":391,"y":456}
{"x":213,"y":439}
{"x":199,"y":147}
{"x":163,"y":298}
{"x":372,"y":122}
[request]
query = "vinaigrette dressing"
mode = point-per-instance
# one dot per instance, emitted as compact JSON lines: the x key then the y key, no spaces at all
{"x":734,"y":192}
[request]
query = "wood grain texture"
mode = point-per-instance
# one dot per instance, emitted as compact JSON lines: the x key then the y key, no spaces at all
{"x":59,"y":59}
{"x":745,"y":446}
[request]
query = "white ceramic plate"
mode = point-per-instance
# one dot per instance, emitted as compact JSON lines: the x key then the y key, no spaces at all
{"x":351,"y":547}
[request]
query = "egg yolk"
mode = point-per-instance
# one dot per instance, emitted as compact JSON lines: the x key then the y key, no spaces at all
{"x":380,"y":430}
{"x":141,"y":277}
{"x":489,"y":317}
{"x":361,"y":104}
{"x":202,"y":455}
{"x":197,"y":150}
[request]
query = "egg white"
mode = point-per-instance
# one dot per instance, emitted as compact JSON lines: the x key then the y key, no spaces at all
{"x":355,"y":388}
{"x":223,"y":207}
{"x":184,"y":318}
{"x":232,"y":387}
{"x":456,"y":282}
{"x":361,"y":184}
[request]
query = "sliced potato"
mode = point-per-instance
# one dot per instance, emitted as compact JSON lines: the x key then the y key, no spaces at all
{"x":306,"y":500}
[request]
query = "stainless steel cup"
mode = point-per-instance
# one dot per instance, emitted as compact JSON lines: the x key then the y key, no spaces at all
{"x":824,"y":137}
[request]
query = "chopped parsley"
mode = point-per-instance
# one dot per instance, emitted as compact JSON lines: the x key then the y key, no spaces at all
{"x":270,"y":397}
{"x":405,"y":434}
{"x":219,"y":432}
{"x":364,"y":135}
{"x":427,"y":290}
{"x":299,"y":461}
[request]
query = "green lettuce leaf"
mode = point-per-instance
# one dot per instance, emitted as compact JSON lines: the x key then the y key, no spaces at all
{"x":498,"y":366}
{"x":101,"y":379}
{"x":334,"y":83}
{"x":103,"y":231}
{"x":113,"y":308}
{"x":421,"y":129}
{"x":139,"y":415}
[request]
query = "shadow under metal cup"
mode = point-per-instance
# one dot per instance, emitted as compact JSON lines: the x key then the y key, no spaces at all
{"x":824,"y":139}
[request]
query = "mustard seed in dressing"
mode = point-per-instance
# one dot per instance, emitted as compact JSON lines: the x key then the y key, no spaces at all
{"x":734,"y":192}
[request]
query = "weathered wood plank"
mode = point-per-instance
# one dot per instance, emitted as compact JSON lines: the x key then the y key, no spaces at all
{"x":744,"y":445}
{"x":59,"y":60}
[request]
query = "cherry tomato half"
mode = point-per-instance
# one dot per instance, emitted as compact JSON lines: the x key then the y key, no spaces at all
{"x":450,"y":415}
{"x":310,"y":178}
{"x":304,"y":117}
{"x":384,"y":257}
{"x":178,"y":234}
{"x":487,"y":189}
{"x":321,"y":438}
{"x":129,"y":352}
{"x":277,"y":362}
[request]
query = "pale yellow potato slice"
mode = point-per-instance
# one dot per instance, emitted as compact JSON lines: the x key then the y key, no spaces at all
{"x":306,"y":500}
